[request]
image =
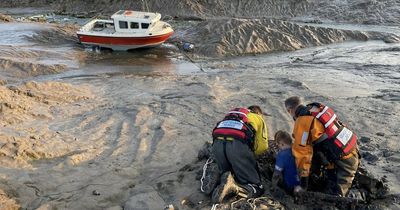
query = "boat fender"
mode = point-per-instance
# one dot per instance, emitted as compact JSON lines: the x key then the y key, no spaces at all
{"x":188,"y":46}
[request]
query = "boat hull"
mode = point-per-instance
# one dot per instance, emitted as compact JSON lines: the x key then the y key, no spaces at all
{"x":123,"y":43}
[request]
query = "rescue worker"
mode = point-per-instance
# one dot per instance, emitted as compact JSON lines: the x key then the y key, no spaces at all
{"x":318,"y":131}
{"x":237,"y":139}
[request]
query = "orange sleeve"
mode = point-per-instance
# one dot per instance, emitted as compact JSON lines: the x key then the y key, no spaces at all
{"x":302,"y":148}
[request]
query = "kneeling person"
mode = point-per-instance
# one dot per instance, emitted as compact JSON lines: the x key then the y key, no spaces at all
{"x":237,"y":139}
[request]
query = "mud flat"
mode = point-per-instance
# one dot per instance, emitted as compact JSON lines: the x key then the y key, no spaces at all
{"x":126,"y":140}
{"x":88,"y":130}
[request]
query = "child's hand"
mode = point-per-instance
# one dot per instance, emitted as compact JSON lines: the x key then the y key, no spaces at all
{"x":298,"y":189}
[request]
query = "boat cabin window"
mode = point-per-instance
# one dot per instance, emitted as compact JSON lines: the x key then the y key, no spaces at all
{"x":134,"y":25}
{"x":145,"y":25}
{"x":123,"y":24}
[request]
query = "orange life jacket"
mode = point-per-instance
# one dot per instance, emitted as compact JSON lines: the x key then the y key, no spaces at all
{"x":235,"y":125}
{"x":338,"y":140}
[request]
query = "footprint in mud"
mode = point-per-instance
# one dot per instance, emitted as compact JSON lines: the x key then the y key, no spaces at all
{"x":390,"y":49}
{"x":388,"y":95}
{"x":293,"y":83}
{"x":369,"y":157}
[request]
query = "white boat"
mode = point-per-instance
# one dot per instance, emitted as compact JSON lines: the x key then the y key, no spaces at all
{"x":126,"y":30}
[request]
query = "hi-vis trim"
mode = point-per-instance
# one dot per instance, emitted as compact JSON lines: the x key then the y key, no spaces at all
{"x":323,"y":111}
{"x":330,"y":121}
{"x":278,"y":168}
{"x":304,"y":138}
{"x":236,"y":112}
{"x":230,"y":124}
{"x":344,"y":136}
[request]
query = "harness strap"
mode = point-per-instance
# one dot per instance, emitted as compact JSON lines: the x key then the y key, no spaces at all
{"x":322,"y":138}
{"x":309,"y":137}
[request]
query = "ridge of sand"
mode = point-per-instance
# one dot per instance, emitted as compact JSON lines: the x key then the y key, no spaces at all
{"x":354,"y":11}
{"x":234,"y":37}
{"x":26,"y":69}
{"x":35,"y":53}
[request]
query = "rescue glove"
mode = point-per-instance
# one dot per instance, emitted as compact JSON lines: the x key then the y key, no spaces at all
{"x":304,"y":182}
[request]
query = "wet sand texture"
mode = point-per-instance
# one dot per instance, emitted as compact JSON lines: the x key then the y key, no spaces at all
{"x":180,"y":8}
{"x":356,"y":11}
{"x":114,"y":141}
{"x":243,"y":36}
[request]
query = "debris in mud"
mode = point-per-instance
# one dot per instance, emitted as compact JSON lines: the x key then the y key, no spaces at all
{"x":95,"y":192}
{"x":266,"y":203}
{"x":365,"y":139}
{"x":170,"y":207}
{"x":6,"y":18}
{"x":38,"y":18}
{"x":380,"y":134}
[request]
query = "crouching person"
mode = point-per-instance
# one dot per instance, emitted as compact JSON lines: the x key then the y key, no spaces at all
{"x":285,"y":173}
{"x":237,"y":139}
{"x":318,"y":132}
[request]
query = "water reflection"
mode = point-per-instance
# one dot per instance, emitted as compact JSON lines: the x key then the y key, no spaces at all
{"x":19,"y":47}
{"x":152,"y":61}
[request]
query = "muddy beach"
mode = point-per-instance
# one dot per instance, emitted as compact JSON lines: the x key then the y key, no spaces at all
{"x":82,"y":129}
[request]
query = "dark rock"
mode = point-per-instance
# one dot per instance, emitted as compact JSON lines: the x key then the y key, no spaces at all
{"x":367,"y":147}
{"x":384,"y":179}
{"x":205,"y":151}
{"x":13,"y":88}
{"x":29,"y":93}
{"x":370,"y":157}
{"x":95,"y":192}
{"x":170,"y":207}
{"x":365,"y":139}
{"x":387,"y":153}
{"x":380,"y":134}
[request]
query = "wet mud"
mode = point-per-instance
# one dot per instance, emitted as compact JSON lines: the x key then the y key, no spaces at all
{"x":88,"y":129}
{"x":375,"y":191}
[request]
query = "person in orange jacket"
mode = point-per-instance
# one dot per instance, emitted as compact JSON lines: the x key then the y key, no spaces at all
{"x":320,"y":135}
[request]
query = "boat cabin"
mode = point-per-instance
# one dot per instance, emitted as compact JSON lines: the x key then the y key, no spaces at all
{"x":126,"y":30}
{"x":133,"y":21}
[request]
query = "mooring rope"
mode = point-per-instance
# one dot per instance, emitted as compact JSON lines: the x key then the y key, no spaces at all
{"x":209,"y":160}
